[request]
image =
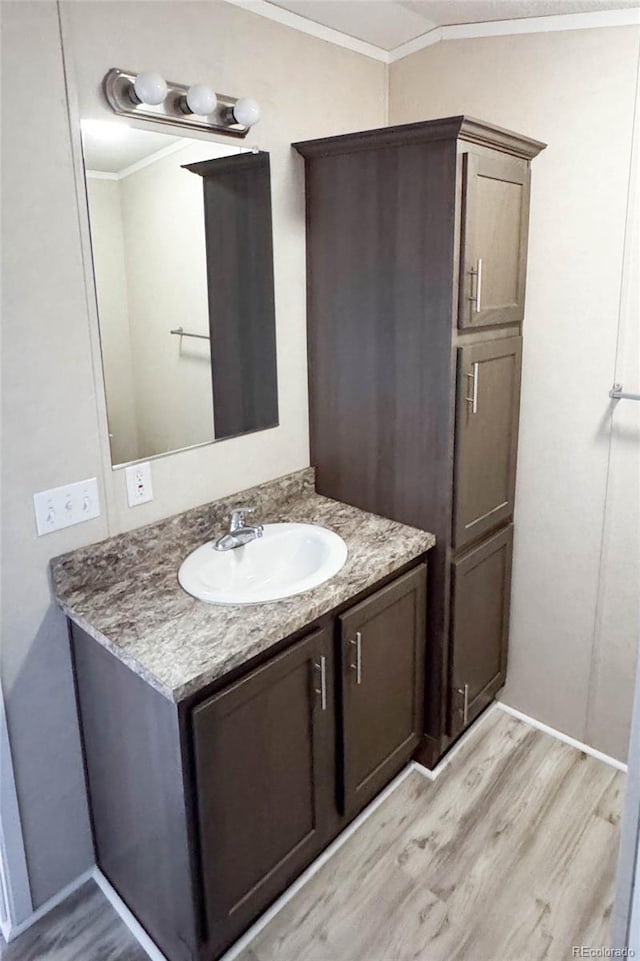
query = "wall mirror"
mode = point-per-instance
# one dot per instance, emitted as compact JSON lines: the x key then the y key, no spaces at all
{"x":183,"y":262}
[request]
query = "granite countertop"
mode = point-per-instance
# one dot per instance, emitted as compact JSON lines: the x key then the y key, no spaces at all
{"x":124,"y":591}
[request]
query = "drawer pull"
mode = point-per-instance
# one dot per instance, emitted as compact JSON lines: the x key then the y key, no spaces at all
{"x":322,"y":690}
{"x":357,"y":667}
{"x":477,"y":273}
{"x":465,"y":703}
{"x":474,"y":377}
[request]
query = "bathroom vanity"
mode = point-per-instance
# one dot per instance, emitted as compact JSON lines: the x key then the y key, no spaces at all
{"x":226,"y":746}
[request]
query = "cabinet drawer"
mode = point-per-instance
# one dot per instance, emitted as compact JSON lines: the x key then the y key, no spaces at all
{"x":382,"y":654}
{"x":488,"y":402}
{"x":481,"y":593}
{"x":265,"y":776}
{"x":495,"y":223}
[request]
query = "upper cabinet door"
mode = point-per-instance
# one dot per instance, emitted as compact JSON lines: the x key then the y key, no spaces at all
{"x":495,"y":218}
{"x":265,"y":774}
{"x":383,"y":650}
{"x":488,"y":402}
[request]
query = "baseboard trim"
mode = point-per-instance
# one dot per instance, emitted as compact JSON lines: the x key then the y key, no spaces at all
{"x":149,"y":946}
{"x":313,"y":868}
{"x":433,"y":773}
{"x":12,"y":931}
{"x":560,"y":736}
{"x":152,"y":950}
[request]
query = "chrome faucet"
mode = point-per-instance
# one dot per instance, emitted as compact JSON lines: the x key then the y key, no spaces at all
{"x":238,"y":533}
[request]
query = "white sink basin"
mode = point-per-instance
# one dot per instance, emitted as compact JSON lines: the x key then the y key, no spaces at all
{"x":286,"y":560}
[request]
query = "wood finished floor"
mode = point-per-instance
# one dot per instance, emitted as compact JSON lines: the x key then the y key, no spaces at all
{"x":508,"y":856}
{"x":83,"y":928}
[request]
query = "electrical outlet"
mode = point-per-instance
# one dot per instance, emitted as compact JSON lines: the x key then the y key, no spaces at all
{"x":63,"y":506}
{"x":139,"y":489}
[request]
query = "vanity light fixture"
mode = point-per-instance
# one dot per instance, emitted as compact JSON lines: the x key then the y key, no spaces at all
{"x":147,"y":96}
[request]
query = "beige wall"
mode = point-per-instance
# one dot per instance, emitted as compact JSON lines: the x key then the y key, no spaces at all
{"x":575,"y":90}
{"x":50,"y":435}
{"x":54,"y":427}
{"x":618,"y":601}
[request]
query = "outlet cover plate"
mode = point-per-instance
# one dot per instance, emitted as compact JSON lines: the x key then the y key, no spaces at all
{"x":139,"y":489}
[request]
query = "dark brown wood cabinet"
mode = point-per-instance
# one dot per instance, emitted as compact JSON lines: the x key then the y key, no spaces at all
{"x":494,"y":223}
{"x":242,"y":322}
{"x":204,"y":811}
{"x":487,"y":407}
{"x":416,"y":264}
{"x":480,"y":589}
{"x":264,"y":767}
{"x":382,"y":654}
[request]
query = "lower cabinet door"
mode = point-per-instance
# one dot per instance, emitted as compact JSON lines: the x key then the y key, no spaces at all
{"x":265,"y":773}
{"x":481,"y":587}
{"x":382,"y":649}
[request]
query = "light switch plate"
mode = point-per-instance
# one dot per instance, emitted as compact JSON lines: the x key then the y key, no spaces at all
{"x":64,"y":506}
{"x":139,"y":489}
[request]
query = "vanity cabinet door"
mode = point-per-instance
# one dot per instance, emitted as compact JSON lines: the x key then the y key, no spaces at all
{"x":495,"y":223}
{"x":383,"y":650}
{"x":481,"y":592}
{"x":265,"y":773}
{"x":486,"y":441}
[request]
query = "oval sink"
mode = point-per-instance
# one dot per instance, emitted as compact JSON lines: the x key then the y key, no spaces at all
{"x":286,"y":560}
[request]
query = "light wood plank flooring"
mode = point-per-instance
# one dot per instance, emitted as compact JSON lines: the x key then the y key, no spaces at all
{"x":83,"y":928}
{"x":508,"y":856}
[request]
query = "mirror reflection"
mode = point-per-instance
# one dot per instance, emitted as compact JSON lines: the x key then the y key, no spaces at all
{"x":175,"y":224}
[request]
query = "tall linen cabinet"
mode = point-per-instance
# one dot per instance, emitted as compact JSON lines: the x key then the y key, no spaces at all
{"x":416,"y":263}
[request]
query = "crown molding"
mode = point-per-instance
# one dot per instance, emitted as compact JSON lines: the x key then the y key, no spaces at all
{"x":504,"y":28}
{"x":462,"y":31}
{"x":424,"y":131}
{"x":272,"y":12}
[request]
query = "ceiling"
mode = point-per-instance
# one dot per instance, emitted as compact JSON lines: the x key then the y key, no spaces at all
{"x":110,"y":146}
{"x":389,"y":23}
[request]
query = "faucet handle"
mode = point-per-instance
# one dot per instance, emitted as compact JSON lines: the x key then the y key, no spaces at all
{"x":238,"y":515}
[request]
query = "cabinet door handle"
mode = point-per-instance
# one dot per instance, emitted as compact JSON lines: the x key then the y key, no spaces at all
{"x":357,"y":667}
{"x":476,"y":299}
{"x":474,"y":377}
{"x":322,"y":690}
{"x":465,"y":704}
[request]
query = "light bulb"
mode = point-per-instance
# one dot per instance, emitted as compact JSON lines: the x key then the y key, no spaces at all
{"x":201,"y":100}
{"x":246,"y":111}
{"x":150,"y":88}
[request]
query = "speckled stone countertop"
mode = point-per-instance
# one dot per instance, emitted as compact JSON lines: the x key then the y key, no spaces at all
{"x":124,"y":591}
